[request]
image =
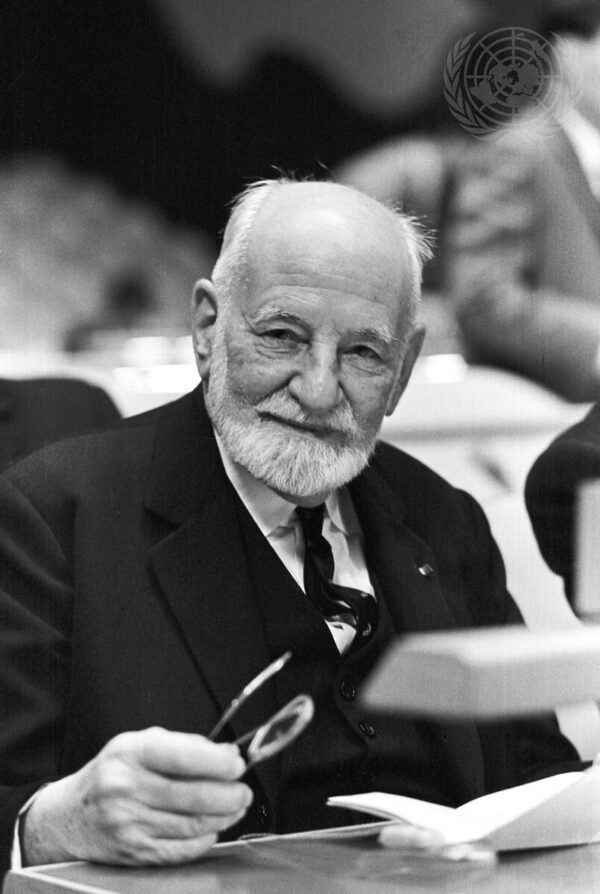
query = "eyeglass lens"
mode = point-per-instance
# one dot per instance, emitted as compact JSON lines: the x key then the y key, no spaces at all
{"x":281,"y":729}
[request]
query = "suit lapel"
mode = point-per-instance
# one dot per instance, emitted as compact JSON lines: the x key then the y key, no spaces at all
{"x":201,"y":567}
{"x":209,"y":592}
{"x":406,"y":569}
{"x":403,"y":563}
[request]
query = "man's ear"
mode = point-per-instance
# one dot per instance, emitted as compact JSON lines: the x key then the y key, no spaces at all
{"x":413,"y":349}
{"x":204,"y":315}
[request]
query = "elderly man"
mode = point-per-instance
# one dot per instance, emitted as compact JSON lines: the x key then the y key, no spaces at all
{"x":149,"y":572}
{"x":523,"y":237}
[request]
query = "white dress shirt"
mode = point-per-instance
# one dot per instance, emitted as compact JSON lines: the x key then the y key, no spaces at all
{"x":277,"y":520}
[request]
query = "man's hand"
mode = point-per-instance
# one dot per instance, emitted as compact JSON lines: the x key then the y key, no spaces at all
{"x":148,"y":797}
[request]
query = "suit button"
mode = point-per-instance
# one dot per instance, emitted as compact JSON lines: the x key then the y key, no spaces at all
{"x":347,"y":689}
{"x":368,"y":729}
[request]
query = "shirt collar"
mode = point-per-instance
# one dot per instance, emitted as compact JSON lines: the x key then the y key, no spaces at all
{"x":270,"y":511}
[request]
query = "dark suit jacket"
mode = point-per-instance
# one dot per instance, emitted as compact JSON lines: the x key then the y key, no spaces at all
{"x":551,"y":490}
{"x":126,"y":599}
{"x":523,"y":255}
{"x":34,"y":412}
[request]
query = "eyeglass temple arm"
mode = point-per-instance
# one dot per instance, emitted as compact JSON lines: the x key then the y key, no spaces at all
{"x":247,"y":691}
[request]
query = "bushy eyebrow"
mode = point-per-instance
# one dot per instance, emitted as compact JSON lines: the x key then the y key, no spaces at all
{"x":275,"y":314}
{"x":379,"y":334}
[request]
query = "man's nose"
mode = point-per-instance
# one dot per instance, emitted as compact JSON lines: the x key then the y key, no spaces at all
{"x":316,"y":385}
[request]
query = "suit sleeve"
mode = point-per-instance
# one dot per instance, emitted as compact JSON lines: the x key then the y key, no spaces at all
{"x":35,"y":622}
{"x":103,"y":407}
{"x":491,"y":603}
{"x":49,"y":409}
{"x":551,"y":492}
{"x":506,"y":318}
{"x":59,"y":408}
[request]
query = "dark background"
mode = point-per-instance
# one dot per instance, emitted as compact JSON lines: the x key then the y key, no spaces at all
{"x":110,"y":89}
{"x":106,"y":88}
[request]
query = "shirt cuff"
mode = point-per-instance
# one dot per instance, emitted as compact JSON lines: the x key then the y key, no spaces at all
{"x":16,"y":856}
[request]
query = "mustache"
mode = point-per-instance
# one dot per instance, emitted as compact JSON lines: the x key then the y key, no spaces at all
{"x":340,"y":420}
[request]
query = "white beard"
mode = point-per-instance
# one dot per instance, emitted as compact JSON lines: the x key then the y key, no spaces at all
{"x":299,"y":464}
{"x":290,"y":463}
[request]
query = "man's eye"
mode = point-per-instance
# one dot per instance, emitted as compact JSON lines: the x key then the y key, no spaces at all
{"x":280,"y":335}
{"x":364,"y":352}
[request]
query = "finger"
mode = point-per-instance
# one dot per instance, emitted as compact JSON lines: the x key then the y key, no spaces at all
{"x":404,"y":835}
{"x":183,"y":851}
{"x":158,"y":851}
{"x":203,"y":796}
{"x":161,"y":839}
{"x":157,"y":824}
{"x":180,"y":754}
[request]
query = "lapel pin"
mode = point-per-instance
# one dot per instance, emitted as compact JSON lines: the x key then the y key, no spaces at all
{"x":426,"y":570}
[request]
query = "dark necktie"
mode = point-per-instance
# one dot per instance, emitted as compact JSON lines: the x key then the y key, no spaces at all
{"x":335,"y":602}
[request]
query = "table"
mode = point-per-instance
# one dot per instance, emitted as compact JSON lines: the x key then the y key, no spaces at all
{"x":340,"y":862}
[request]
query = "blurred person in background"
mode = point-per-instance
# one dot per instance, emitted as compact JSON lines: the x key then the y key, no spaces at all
{"x":551,"y":492}
{"x":445,"y":175}
{"x":77,"y":253}
{"x":129,"y":306}
{"x":523,"y":238}
{"x":35,"y":412}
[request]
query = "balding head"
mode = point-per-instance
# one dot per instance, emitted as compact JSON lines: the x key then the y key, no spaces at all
{"x":272,"y":218}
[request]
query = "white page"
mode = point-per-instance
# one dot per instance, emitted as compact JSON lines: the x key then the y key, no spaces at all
{"x":411,"y":810}
{"x":559,"y":810}
{"x":571,"y":816}
{"x":490,"y":812}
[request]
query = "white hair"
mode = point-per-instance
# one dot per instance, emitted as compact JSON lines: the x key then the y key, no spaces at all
{"x":230,"y":274}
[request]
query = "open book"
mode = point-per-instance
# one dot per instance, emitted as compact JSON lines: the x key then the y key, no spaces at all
{"x":552,"y":812}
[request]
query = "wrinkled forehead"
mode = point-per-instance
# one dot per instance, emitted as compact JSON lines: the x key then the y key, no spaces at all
{"x":317,"y":228}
